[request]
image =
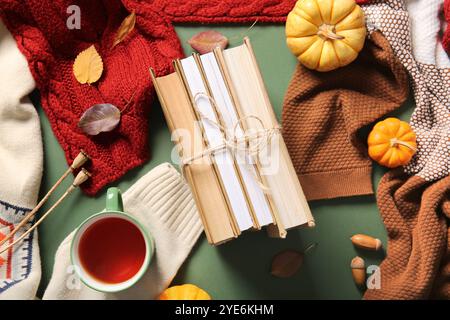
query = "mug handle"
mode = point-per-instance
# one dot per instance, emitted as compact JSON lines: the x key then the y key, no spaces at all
{"x":114,"y":200}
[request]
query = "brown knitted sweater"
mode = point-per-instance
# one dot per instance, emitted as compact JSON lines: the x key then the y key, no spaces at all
{"x":416,"y":214}
{"x":324,"y":112}
{"x":416,"y":210}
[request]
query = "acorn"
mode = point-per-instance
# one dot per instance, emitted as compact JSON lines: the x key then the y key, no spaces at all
{"x":366,"y":242}
{"x":358,"y":271}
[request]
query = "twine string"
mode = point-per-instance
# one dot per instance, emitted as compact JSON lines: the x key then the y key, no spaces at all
{"x":252,"y":144}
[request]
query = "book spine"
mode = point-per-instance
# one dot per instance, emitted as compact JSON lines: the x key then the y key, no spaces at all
{"x":231,"y":217}
{"x":187,"y":174}
{"x":213,"y":214}
{"x":277,"y":229}
{"x":283,"y":149}
{"x":256,"y":224}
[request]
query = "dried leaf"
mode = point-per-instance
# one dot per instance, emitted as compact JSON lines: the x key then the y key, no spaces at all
{"x":125,"y":28}
{"x":88,"y":66}
{"x":287,"y":263}
{"x":99,"y":118}
{"x":207,"y":41}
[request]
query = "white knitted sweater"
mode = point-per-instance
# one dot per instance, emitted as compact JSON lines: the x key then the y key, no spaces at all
{"x":21,"y":170}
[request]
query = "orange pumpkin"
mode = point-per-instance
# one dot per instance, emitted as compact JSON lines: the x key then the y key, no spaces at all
{"x":184,"y":292}
{"x":392,"y":143}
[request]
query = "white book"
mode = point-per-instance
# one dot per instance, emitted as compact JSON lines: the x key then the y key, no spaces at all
{"x":232,"y":195}
{"x":230,"y":118}
{"x":223,"y":158}
{"x":253,"y":100}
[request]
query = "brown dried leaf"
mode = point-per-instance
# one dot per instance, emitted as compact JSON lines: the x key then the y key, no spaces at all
{"x":88,"y":66}
{"x":99,"y":118}
{"x":125,"y":28}
{"x":286,"y":263}
{"x":207,"y":41}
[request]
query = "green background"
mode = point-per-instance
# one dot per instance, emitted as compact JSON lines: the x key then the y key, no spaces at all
{"x":239,"y":269}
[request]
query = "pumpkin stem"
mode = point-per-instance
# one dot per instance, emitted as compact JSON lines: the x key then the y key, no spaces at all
{"x":396,"y":142}
{"x":329,"y":32}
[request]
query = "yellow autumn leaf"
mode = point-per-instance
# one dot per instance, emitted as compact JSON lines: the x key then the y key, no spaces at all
{"x":125,"y":28}
{"x":88,"y":66}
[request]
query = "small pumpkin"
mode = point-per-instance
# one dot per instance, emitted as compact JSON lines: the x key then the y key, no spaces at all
{"x":392,"y":143}
{"x":325,"y":34}
{"x":184,"y":292}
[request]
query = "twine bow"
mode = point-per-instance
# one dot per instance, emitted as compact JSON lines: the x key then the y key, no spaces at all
{"x":252,"y":143}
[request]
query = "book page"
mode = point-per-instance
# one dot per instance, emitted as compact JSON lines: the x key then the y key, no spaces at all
{"x":200,"y":174}
{"x":283,"y":182}
{"x":215,"y":138}
{"x":229,"y":117}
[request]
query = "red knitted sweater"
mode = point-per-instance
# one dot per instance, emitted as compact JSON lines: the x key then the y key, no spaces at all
{"x":39,"y":27}
{"x":446,"y":35}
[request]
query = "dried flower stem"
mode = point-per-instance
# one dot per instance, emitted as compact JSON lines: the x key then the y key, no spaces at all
{"x":77,"y":163}
{"x":82,"y":176}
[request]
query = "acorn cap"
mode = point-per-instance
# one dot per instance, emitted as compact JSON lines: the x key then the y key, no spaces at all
{"x":379,"y":244}
{"x":357,"y":263}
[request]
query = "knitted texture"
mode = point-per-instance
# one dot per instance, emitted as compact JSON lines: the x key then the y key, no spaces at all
{"x":40,"y":30}
{"x":446,"y":19}
{"x":425,"y":28}
{"x":416,"y":210}
{"x":323,"y":113}
{"x":225,"y":11}
{"x":21,"y":162}
{"x":430,"y":82}
{"x":39,"y":27}
{"x":415,"y":213}
{"x":162,"y":201}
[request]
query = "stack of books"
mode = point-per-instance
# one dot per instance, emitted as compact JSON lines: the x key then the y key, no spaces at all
{"x":232,"y":153}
